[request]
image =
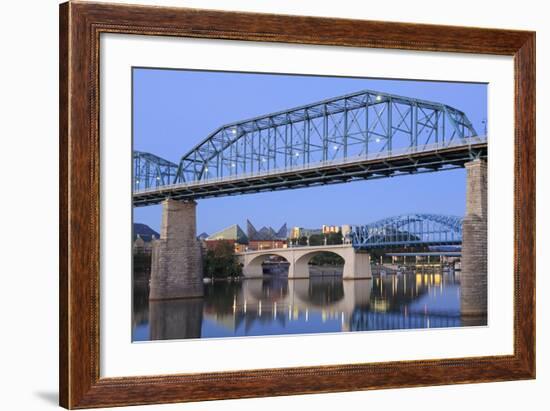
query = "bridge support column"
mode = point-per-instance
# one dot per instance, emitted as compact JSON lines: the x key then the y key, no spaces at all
{"x":176,"y":266}
{"x":357,"y":265}
{"x":298,"y":268}
{"x":473,"y":276}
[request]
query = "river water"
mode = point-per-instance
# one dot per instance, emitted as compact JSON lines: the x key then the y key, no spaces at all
{"x":420,"y":298}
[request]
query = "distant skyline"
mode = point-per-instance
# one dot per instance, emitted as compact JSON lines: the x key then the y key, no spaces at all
{"x":175,"y":109}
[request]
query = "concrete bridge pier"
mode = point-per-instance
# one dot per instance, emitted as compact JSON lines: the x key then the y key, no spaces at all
{"x":176,"y":265}
{"x":298,"y":267}
{"x":473,"y":276}
{"x":357,"y":265}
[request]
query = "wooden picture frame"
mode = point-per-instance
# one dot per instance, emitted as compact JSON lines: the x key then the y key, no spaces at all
{"x":80,"y":27}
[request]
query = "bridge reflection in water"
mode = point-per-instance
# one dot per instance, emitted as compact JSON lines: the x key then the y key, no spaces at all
{"x":275,"y":306}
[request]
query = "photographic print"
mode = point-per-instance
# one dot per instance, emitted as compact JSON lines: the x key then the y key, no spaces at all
{"x":272,"y":204}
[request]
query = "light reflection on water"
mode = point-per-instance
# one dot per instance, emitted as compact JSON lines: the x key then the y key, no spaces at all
{"x":276,"y":305}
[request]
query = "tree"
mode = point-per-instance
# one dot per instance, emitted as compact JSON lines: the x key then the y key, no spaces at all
{"x":327,"y":258}
{"x":316,"y":239}
{"x":334,"y":238}
{"x":221,"y":262}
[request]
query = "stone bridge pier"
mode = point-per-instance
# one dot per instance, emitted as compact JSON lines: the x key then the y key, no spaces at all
{"x":176,"y":261}
{"x":473,"y":277}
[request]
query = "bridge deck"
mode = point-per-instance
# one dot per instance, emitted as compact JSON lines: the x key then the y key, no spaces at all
{"x":379,"y":165}
{"x":296,"y":248}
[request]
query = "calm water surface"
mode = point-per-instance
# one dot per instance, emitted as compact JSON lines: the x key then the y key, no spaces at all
{"x":276,"y":305}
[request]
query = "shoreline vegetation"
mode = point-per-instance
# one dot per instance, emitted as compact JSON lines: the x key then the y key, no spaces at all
{"x":220,"y":261}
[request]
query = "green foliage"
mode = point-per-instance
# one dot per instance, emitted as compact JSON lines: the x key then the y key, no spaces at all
{"x":142,"y":262}
{"x":327,"y":258}
{"x":316,"y":239}
{"x":334,"y":238}
{"x":221,"y":261}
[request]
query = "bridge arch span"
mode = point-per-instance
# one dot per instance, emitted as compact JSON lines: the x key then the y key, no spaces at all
{"x":301,"y":264}
{"x":254,"y":265}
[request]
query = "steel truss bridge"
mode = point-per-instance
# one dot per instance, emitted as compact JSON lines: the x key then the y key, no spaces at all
{"x":364,"y":135}
{"x":409,"y":230}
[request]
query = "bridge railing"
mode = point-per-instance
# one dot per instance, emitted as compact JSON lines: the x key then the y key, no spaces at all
{"x":468,"y":141}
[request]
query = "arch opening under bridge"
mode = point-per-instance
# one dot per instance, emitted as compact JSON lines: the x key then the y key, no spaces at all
{"x":255,"y":267}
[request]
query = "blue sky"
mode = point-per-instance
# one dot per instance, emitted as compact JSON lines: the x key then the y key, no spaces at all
{"x":175,"y":109}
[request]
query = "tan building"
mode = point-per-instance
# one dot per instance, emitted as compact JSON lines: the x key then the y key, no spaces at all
{"x":254,"y":245}
{"x":327,"y":229}
{"x":295,"y":232}
{"x":299,"y":232}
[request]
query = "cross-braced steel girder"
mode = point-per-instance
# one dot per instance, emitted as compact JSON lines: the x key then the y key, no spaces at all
{"x":409,"y":230}
{"x":151,"y":170}
{"x":355,"y":125}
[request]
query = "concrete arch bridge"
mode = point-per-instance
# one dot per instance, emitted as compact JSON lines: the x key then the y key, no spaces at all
{"x":356,"y":263}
